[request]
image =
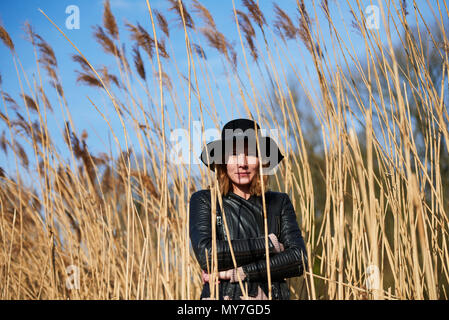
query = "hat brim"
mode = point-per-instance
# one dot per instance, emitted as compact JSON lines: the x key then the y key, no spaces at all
{"x":219,"y":149}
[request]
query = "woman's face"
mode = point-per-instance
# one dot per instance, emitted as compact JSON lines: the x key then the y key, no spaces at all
{"x":242,"y":167}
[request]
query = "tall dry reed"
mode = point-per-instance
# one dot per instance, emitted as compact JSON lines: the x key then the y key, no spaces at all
{"x":371,"y":199}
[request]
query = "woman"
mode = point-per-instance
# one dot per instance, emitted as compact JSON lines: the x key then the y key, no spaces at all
{"x":235,"y":160}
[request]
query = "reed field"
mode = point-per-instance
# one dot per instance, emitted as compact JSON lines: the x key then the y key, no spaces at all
{"x":364,"y":131}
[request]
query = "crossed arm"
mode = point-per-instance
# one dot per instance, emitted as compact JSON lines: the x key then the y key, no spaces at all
{"x":286,"y":261}
{"x":245,"y":250}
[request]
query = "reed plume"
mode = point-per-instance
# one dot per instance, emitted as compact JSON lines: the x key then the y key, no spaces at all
{"x":106,"y":43}
{"x":39,"y":136}
{"x":162,"y":22}
{"x":107,"y":180}
{"x":30,"y":103}
{"x":305,"y":25}
{"x":162,"y":51}
{"x":123,"y":60}
{"x":12,"y":103}
{"x":4,"y":143}
{"x":166,"y":81}
{"x":4,"y":36}
{"x":284,"y":24}
{"x":47,"y":57}
{"x":199,"y":50}
{"x":355,"y":25}
{"x":138,"y":63}
{"x":204,"y":14}
{"x":64,"y":180}
{"x":218,"y":41}
{"x":108,"y":77}
{"x":45,"y":99}
{"x":47,"y":54}
{"x":123,"y":162}
{"x":62,"y":183}
{"x":4,"y":118}
{"x":255,"y":12}
{"x":325,"y":7}
{"x":88,"y":79}
{"x":249,"y":32}
{"x":59,"y":89}
{"x":178,"y":7}
{"x":51,"y":72}
{"x":87,"y":76}
{"x":143,"y":39}
{"x":20,"y":151}
{"x":81,"y":152}
{"x":109,"y":20}
{"x":102,"y":159}
{"x":82,"y":62}
{"x":30,"y":35}
{"x":21,"y":123}
{"x":147,"y":182}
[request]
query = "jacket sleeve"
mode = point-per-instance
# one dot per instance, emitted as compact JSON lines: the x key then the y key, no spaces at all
{"x":288,"y":263}
{"x":245,"y":250}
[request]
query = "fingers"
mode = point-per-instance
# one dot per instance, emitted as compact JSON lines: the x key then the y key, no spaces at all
{"x":226,"y":275}
{"x":206,"y":277}
{"x":260,"y":295}
{"x":278,"y":247}
{"x":231,"y":274}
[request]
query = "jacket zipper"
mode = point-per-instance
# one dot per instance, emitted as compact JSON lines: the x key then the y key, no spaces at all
{"x":278,"y":222}
{"x":220,"y":225}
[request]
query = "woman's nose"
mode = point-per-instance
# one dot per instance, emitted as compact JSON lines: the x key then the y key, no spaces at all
{"x":242,"y":160}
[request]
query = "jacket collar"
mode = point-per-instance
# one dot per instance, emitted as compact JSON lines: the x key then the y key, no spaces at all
{"x":253,"y":203}
{"x":235,"y":195}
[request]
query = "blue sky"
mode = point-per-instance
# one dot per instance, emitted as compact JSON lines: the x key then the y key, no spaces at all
{"x":14,"y":13}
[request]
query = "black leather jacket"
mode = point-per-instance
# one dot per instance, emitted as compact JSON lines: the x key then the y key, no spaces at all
{"x":246,"y":229}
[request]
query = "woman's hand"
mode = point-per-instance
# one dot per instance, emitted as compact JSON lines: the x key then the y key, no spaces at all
{"x":260,"y":295}
{"x":224,"y":275}
{"x":206,"y":277}
{"x":231,"y":274}
{"x":278,"y":247}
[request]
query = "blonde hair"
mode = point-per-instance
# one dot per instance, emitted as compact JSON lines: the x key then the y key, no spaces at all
{"x":225,"y":183}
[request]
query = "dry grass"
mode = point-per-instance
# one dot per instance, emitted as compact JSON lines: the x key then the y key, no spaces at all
{"x":373,"y":198}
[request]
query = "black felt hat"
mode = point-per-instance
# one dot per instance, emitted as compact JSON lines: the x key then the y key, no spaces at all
{"x":240,"y":133}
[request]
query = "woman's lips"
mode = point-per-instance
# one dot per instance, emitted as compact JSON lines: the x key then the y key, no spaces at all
{"x":243,"y":173}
